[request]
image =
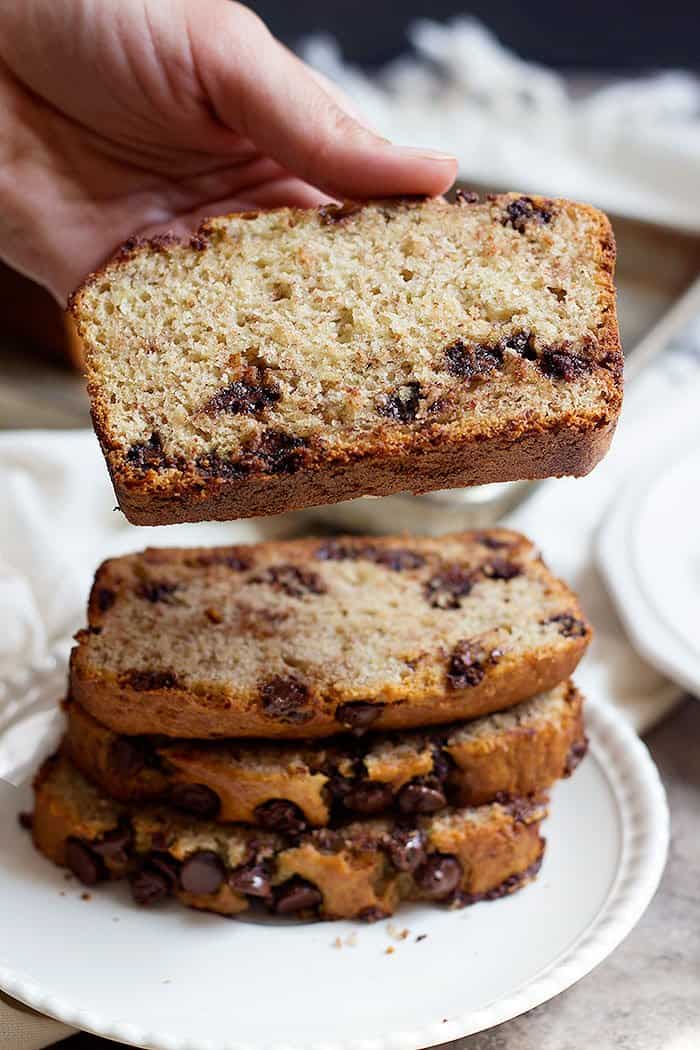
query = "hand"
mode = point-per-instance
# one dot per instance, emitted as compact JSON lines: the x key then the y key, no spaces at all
{"x":139,"y":116}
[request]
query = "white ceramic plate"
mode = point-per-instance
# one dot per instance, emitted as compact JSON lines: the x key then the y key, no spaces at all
{"x":658,"y":597}
{"x":173,"y":979}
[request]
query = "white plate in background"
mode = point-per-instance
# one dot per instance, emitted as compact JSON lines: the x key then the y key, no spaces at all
{"x":649,"y":553}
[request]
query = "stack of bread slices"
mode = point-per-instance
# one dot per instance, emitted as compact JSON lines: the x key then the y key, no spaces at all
{"x":328,"y":727}
{"x":317,"y":727}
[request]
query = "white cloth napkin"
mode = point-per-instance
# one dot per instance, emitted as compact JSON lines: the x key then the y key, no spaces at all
{"x":630,"y":146}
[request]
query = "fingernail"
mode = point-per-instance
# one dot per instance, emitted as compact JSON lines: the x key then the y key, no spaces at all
{"x":417,"y":153}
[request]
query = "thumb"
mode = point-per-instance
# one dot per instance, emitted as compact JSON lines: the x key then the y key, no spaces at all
{"x":262,"y":91}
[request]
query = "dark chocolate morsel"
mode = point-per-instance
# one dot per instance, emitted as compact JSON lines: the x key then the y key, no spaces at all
{"x":105,"y":598}
{"x":401,"y":404}
{"x":569,"y":626}
{"x":368,"y":797}
{"x":202,"y":873}
{"x":438,"y":876}
{"x":278,"y":814}
{"x":296,"y":895}
{"x":286,"y":699}
{"x":115,"y":846}
{"x":82,"y":860}
{"x":576,"y":754}
{"x":252,"y":880}
{"x":291,"y":580}
{"x":421,"y":795}
{"x":406,"y":848}
{"x":149,"y":886}
{"x":501,"y":569}
{"x":196,"y":798}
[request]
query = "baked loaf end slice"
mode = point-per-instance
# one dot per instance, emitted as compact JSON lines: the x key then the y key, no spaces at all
{"x":290,"y":786}
{"x":295,"y":358}
{"x":359,"y":870}
{"x":307,"y":638}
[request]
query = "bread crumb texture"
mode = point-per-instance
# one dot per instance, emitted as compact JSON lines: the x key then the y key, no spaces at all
{"x":289,"y":339}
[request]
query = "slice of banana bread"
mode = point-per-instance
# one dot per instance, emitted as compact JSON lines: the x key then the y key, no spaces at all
{"x":358,"y":870}
{"x":296,"y":358}
{"x":284,"y":787}
{"x":308,"y":638}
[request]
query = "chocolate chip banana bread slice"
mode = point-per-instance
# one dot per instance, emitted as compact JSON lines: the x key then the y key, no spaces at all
{"x":289,"y":787}
{"x":358,"y":870}
{"x":295,"y":358}
{"x":308,"y":638}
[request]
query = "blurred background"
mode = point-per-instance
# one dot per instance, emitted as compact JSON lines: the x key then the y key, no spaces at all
{"x":597,"y":101}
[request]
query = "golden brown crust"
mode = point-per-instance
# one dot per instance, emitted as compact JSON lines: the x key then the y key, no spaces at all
{"x":490,"y":852}
{"x":431,"y":457}
{"x":427,"y":696}
{"x":531,"y":452}
{"x":521,"y":754}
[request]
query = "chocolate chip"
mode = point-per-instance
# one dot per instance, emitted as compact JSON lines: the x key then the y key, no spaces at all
{"x":278,"y":452}
{"x":332,"y":214}
{"x":198,"y":242}
{"x":520,"y":809}
{"x":442,"y":765}
{"x":156,"y":591}
{"x":406,"y":848}
{"x":368,"y":797}
{"x":401,"y":404}
{"x":278,"y":814}
{"x":198,"y":799}
{"x":421,"y":795}
{"x":202,"y":872}
{"x":446,"y":589}
{"x":373,"y":914}
{"x":251,"y":879}
{"x":290,"y":579}
{"x":235,"y":561}
{"x":243,"y":398}
{"x":358,"y":714}
{"x":82,"y":860}
{"x":166,"y":864}
{"x":396,"y":559}
{"x":522,"y":344}
{"x":149,"y":886}
{"x":147,"y":455}
{"x":105,"y":598}
{"x":472,"y":361}
{"x":466,"y":197}
{"x":296,"y":895}
{"x":25,"y":820}
{"x":563,"y":364}
{"x":501,"y":569}
{"x":142,"y":681}
{"x":466,"y":666}
{"x":438,"y":876}
{"x":493,"y":542}
{"x":331,"y":550}
{"x":569,"y":626}
{"x":576,"y":753}
{"x":524,"y":210}
{"x":286,"y":700}
{"x":128,"y":756}
{"x":115,"y":846}
{"x":214,"y":465}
